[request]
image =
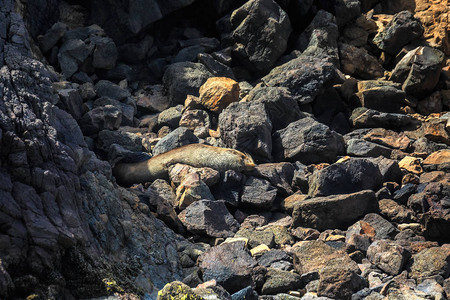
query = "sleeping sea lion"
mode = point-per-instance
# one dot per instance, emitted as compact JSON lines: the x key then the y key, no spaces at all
{"x":196,"y":155}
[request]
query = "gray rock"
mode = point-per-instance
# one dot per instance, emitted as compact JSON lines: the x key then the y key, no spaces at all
{"x":105,"y":88}
{"x":353,"y":175}
{"x":319,"y":39}
{"x":304,"y":77}
{"x":419,"y":70}
{"x":389,"y":169}
{"x":402,"y":29}
{"x":260,"y":32}
{"x":370,"y":93}
{"x":105,"y":53}
{"x":257,"y":237}
{"x":273,"y":256}
{"x":214,"y":66}
{"x":72,"y":54}
{"x":229,"y":264}
{"x":368,"y":118}
{"x":184,"y":78}
{"x":170,"y":116}
{"x":278,"y":281}
{"x":71,"y":102}
{"x":128,"y":110}
{"x":258,"y":193}
{"x":127,"y":140}
{"x":314,"y":212}
{"x":388,"y":256}
{"x":177,"y":138}
{"x":346,"y":10}
{"x":362,"y":148}
{"x":152,"y":99}
{"x":52,"y":36}
{"x":280,"y":106}
{"x":247,"y":293}
{"x":359,"y":63}
{"x":229,"y":188}
{"x":383,"y":228}
{"x":307,"y":141}
{"x":280,"y":175}
{"x":210,"y":218}
{"x":246,"y":127}
{"x":104,"y":117}
{"x":189,"y":54}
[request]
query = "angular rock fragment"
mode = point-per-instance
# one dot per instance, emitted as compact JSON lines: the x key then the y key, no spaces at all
{"x":368,"y":118}
{"x":358,"y":62}
{"x":388,"y":256}
{"x":177,"y":138}
{"x":258,"y":193}
{"x":218,"y":92}
{"x":380,"y":95}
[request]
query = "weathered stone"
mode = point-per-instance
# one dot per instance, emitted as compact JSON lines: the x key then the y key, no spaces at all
{"x":278,"y":281}
{"x":229,"y":264}
{"x":346,"y":209}
{"x":170,"y":117}
{"x":438,"y":157}
{"x":219,"y":92}
{"x":380,"y":95}
{"x":52,"y":36}
{"x":368,"y":118}
{"x":388,"y":138}
{"x":192,"y":189}
{"x":246,"y":127}
{"x":307,"y":141}
{"x":105,"y":117}
{"x":260,"y":32}
{"x":350,"y":176}
{"x":209,"y":217}
{"x":419,"y":70}
{"x":247,"y":293}
{"x":184,"y":78}
{"x":177,"y":138}
{"x":411,"y":164}
{"x":152,"y":99}
{"x":105,"y":53}
{"x":258,"y":193}
{"x":362,"y":148}
{"x":358,"y":62}
{"x":178,"y":172}
{"x":273,"y":256}
{"x":381,"y":228}
{"x":279,"y":175}
{"x":431,"y":262}
{"x":388,"y":256}
{"x":256,"y":237}
{"x":396,"y":212}
{"x":402,"y":29}
{"x":281,"y":108}
{"x":105,"y":88}
{"x":304,"y":77}
{"x":217,"y":68}
{"x":71,"y":55}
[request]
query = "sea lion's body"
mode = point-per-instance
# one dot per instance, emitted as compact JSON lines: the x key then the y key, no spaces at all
{"x":196,"y":155}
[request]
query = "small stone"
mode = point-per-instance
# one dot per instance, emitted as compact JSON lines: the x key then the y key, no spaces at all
{"x":411,"y":164}
{"x":177,"y":290}
{"x":192,"y":189}
{"x":258,"y":193}
{"x":259,"y":250}
{"x":219,"y":92}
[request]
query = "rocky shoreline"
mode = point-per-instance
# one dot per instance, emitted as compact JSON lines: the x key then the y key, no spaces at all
{"x":343,"y":107}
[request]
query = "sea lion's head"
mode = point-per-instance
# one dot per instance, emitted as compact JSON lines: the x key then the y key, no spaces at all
{"x":240,"y":161}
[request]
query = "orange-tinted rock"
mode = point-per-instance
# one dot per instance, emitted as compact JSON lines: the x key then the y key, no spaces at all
{"x":411,"y":164}
{"x":388,"y":138}
{"x":435,"y":17}
{"x":218,"y":92}
{"x":289,"y":203}
{"x":438,"y":157}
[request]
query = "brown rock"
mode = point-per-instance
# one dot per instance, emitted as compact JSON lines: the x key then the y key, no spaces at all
{"x":290,"y":202}
{"x":435,"y":131}
{"x":438,"y":157}
{"x":435,"y":18}
{"x":218,"y":92}
{"x":396,"y":212}
{"x":430,"y":262}
{"x":388,"y":138}
{"x":411,"y":164}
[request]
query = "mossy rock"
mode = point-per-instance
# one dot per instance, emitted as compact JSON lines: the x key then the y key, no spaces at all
{"x":177,"y":291}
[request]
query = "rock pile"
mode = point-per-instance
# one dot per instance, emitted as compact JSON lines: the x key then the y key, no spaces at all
{"x":343,"y":107}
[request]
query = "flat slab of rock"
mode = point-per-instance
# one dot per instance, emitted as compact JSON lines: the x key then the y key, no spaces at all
{"x":307,"y":141}
{"x":229,"y":264}
{"x":209,"y":217}
{"x":369,"y":118}
{"x":315,"y":212}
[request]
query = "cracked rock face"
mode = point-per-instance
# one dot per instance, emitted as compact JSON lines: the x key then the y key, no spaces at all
{"x":59,"y":210}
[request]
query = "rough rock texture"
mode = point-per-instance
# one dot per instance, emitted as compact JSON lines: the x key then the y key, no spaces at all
{"x":358,"y":62}
{"x":347,"y":208}
{"x":219,"y":92}
{"x":261,"y":32}
{"x":61,"y":214}
{"x":307,"y":141}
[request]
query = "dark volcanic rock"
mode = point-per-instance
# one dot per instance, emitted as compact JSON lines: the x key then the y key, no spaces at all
{"x":350,"y":176}
{"x":229,"y":264}
{"x":280,"y":106}
{"x":260,"y":31}
{"x":279,"y":175}
{"x":258,"y":193}
{"x":307,"y":141}
{"x":419,"y":70}
{"x":357,"y":147}
{"x":388,"y":256}
{"x":246,"y":127}
{"x":383,"y":229}
{"x":358,"y":62}
{"x":380,"y":95}
{"x":402,"y":29}
{"x":368,"y":118}
{"x":209,"y":217}
{"x":304,"y":77}
{"x":431,"y":262}
{"x":279,"y":281}
{"x":184,"y":78}
{"x":177,"y":138}
{"x":315,"y":212}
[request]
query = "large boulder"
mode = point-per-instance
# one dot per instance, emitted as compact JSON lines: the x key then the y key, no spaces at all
{"x":349,"y":176}
{"x":307,"y":141}
{"x":315,"y":212}
{"x":402,"y":29}
{"x":419,"y":70}
{"x":229,"y":264}
{"x":304,"y":77}
{"x":246,"y":127}
{"x":184,"y":78}
{"x":261,"y":29}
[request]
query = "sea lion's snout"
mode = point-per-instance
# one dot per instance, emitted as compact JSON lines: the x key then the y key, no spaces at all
{"x":249,"y":164}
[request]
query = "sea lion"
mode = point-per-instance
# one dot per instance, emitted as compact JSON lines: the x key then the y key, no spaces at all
{"x":196,"y":155}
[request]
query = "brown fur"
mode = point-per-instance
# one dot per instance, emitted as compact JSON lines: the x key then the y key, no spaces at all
{"x":196,"y":155}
